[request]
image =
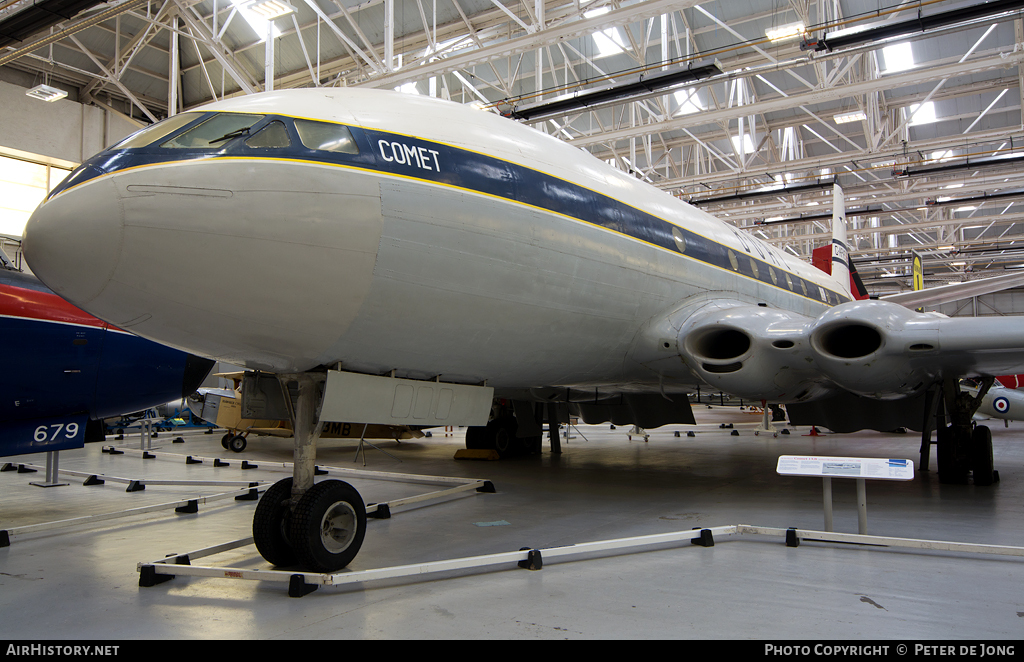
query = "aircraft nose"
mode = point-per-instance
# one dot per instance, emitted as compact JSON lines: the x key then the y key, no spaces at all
{"x":73,"y":242}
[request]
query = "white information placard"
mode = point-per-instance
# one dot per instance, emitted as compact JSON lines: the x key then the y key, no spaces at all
{"x":846,"y":467}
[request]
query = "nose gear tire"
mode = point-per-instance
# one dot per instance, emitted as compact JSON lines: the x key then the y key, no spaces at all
{"x":270,"y":524}
{"x":327,"y":526}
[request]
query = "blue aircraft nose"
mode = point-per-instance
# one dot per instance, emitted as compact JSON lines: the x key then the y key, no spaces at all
{"x":73,"y":241}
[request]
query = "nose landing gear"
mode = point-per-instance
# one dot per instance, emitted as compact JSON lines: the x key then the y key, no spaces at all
{"x":319,"y":527}
{"x":327,"y":526}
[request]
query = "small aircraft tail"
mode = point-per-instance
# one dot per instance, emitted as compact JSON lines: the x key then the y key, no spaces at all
{"x":840,"y":251}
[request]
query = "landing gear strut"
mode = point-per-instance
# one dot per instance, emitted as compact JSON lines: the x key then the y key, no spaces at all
{"x":964,"y":449}
{"x":502,"y":434}
{"x":317,"y":526}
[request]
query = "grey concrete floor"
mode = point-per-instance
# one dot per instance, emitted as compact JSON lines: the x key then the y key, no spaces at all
{"x":81,"y":582}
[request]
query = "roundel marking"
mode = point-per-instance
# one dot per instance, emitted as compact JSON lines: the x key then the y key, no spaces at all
{"x":1001,"y":404}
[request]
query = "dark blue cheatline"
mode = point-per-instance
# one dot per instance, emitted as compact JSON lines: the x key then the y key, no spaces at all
{"x":425,"y":160}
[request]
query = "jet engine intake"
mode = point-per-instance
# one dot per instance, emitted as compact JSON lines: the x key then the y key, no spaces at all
{"x":751,"y":351}
{"x":850,"y":341}
{"x":876,"y":349}
{"x":720,"y":348}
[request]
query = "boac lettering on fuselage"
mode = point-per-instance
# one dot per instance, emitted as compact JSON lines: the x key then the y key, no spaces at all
{"x":421,"y":157}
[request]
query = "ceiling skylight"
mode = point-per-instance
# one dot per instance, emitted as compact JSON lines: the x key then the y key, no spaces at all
{"x":923,"y":113}
{"x":608,"y":42}
{"x":688,"y":101}
{"x":898,"y":57}
{"x":747,"y":144}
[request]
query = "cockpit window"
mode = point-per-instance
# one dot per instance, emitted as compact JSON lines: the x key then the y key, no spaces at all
{"x":274,"y":134}
{"x":214,"y":132}
{"x":326,"y":137}
{"x":155,"y":132}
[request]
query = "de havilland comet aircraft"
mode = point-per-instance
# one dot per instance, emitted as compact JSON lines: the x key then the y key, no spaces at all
{"x":412,"y":261}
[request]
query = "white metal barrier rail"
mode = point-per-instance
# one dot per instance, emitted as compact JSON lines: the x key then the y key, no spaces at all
{"x":250,"y":491}
{"x":302,"y":583}
{"x":134,"y":484}
{"x":794,"y":536}
{"x":380,"y":511}
{"x":186,"y":505}
{"x":287,"y":467}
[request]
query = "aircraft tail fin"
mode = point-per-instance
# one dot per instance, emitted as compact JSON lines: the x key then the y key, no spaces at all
{"x":840,"y":251}
{"x":857,"y":285}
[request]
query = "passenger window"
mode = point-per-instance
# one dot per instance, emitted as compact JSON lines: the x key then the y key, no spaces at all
{"x":273,"y":134}
{"x":680,"y":239}
{"x":326,"y":137}
{"x":214,"y":132}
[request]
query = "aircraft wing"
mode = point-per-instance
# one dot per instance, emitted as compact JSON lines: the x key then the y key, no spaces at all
{"x":874,"y":351}
{"x":955,"y":291}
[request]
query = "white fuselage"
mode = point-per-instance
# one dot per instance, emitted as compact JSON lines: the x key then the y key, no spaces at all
{"x":456,"y":243}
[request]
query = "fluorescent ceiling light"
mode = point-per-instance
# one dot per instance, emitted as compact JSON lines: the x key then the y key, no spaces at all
{"x":784,"y":32}
{"x":942,"y":156}
{"x":256,"y":21}
{"x":898,"y":57}
{"x":270,"y":9}
{"x":844,"y":118}
{"x":46,"y":93}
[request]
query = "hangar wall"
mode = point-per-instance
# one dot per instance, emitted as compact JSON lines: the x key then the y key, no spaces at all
{"x":1010,"y":302}
{"x":63,"y":133}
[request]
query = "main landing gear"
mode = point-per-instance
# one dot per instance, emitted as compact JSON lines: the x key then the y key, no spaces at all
{"x":502,"y":432}
{"x":320,"y":526}
{"x":233,"y":442}
{"x":500,"y":435}
{"x":964,"y":450}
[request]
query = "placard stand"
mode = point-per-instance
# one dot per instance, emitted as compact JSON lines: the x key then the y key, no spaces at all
{"x":857,"y":468}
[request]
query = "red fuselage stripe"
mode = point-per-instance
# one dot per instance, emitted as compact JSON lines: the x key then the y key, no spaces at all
{"x":44,"y":306}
